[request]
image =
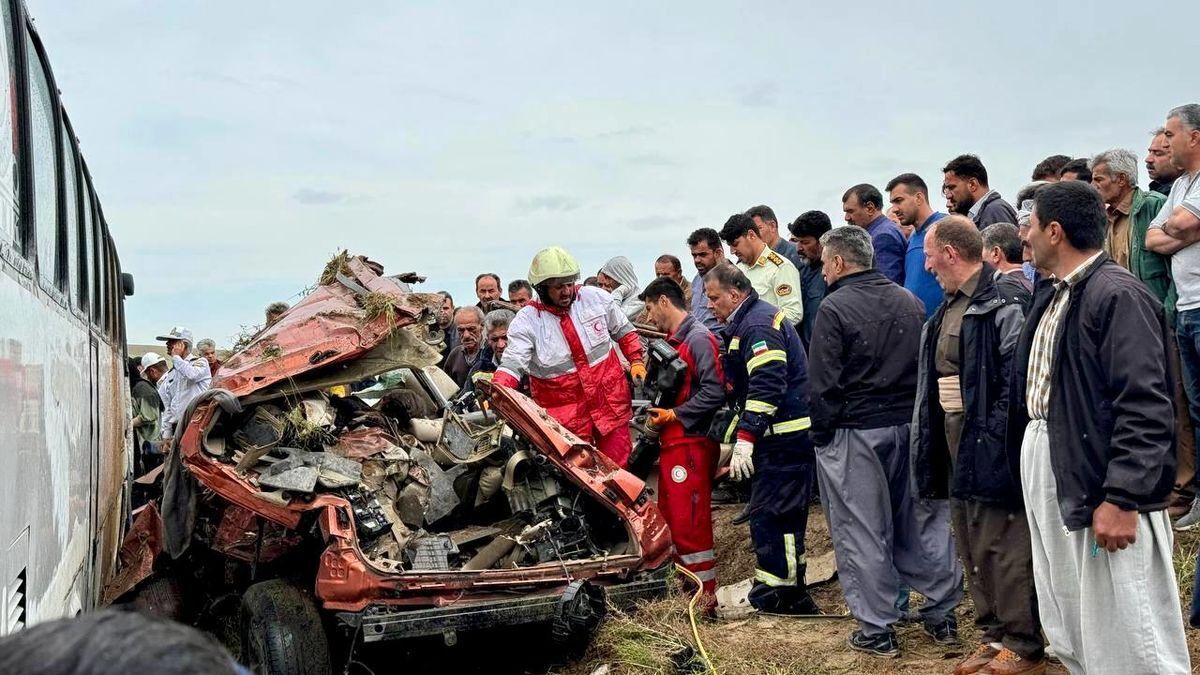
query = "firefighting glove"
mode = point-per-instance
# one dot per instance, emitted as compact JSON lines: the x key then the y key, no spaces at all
{"x":660,"y":416}
{"x":741,"y":464}
{"x":637,"y":370}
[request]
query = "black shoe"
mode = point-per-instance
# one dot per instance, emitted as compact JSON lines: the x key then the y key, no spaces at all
{"x":884,"y":645}
{"x":791,"y":601}
{"x":727,"y":493}
{"x":743,"y":517}
{"x":944,"y":633}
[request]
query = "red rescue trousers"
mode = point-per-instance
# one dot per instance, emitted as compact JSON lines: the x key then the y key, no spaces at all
{"x":684,"y":496}
{"x":616,"y":444}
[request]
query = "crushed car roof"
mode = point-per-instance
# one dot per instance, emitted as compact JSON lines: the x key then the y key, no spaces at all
{"x":351,"y":317}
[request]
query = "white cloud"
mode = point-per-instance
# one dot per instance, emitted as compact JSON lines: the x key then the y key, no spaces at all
{"x":234,"y":155}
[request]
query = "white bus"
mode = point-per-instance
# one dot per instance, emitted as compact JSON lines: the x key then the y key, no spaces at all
{"x":65,"y":448}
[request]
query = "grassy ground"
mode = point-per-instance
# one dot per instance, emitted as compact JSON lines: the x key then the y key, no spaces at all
{"x":645,"y":641}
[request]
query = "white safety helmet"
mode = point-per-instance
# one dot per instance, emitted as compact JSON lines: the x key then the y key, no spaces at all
{"x":552,"y":263}
{"x":150,"y":359}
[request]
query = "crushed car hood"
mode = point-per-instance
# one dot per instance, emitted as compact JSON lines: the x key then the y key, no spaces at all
{"x":344,"y":330}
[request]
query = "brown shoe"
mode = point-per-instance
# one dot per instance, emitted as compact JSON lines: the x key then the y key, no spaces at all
{"x":1008,"y":662}
{"x":979,"y":658}
{"x":1176,"y":511}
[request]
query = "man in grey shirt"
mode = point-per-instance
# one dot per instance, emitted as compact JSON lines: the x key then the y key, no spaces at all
{"x":1175,"y":232}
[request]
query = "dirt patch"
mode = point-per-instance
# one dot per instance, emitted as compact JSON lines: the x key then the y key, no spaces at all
{"x":645,"y":640}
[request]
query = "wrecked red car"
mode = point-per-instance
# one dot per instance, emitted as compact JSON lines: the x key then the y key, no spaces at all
{"x":390,"y":512}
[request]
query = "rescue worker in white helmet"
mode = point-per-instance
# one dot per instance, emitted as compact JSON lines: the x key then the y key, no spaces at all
{"x":567,"y":341}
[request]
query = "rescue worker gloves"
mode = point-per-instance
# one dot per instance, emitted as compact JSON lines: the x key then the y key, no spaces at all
{"x":637,"y":370}
{"x":552,"y":263}
{"x":660,"y":416}
{"x":741,"y":465}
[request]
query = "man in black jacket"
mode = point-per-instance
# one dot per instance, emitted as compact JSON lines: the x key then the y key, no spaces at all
{"x":958,"y":446}
{"x":1097,"y":456}
{"x":862,"y":382}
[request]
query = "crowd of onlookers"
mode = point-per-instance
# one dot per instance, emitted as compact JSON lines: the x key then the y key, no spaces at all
{"x":1009,"y":390}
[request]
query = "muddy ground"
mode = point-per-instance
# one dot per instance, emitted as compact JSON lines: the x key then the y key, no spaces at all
{"x":643,"y":641}
{"x":651,"y":639}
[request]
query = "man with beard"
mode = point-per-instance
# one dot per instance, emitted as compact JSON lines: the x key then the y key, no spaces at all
{"x":909,"y":196}
{"x":1159,"y":165}
{"x":806,"y":235}
{"x":965,"y":186}
{"x":566,"y":341}
{"x":705,"y":245}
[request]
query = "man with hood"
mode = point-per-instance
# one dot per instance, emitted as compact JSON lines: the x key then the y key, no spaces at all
{"x":618,"y":278}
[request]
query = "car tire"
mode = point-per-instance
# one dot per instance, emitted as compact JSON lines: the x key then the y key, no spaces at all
{"x":161,"y":597}
{"x":281,"y":631}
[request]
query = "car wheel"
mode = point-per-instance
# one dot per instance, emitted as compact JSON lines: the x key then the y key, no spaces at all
{"x":161,"y":597}
{"x":282,"y":632}
{"x":581,"y":610}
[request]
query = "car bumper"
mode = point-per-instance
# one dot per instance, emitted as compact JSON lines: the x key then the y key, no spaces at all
{"x":380,"y":623}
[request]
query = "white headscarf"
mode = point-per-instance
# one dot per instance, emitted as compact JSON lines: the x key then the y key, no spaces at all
{"x":620,"y":270}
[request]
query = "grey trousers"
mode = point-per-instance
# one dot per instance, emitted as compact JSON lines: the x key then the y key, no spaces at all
{"x":882,"y":534}
{"x":1102,"y":612}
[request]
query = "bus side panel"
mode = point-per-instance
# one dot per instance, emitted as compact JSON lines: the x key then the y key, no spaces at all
{"x":45,"y":462}
{"x":113,"y":460}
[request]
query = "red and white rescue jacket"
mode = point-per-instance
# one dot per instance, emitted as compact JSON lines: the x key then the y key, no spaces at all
{"x":571,"y":359}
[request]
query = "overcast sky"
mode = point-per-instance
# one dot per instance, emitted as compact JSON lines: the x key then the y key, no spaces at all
{"x":236,"y":146}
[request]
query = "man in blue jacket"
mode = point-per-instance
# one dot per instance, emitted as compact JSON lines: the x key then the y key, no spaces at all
{"x":863,"y":206}
{"x":909,"y":195}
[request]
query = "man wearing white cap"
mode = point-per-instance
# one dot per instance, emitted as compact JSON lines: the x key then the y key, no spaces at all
{"x":147,"y":404}
{"x":190,"y":376}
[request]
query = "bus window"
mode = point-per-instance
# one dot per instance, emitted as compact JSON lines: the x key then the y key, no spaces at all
{"x":9,"y":228}
{"x":116,"y":295}
{"x":87,"y":265}
{"x":71,"y":190}
{"x":105,"y":275}
{"x":45,"y":152}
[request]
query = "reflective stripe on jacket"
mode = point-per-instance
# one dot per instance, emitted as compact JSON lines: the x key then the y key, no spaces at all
{"x":767,"y":370}
{"x":571,"y":359}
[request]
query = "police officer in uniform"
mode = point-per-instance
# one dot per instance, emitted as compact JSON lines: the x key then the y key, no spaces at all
{"x":766,"y":369}
{"x":773,"y":277}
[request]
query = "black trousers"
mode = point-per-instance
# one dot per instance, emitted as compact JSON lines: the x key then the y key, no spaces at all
{"x":780,"y":494}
